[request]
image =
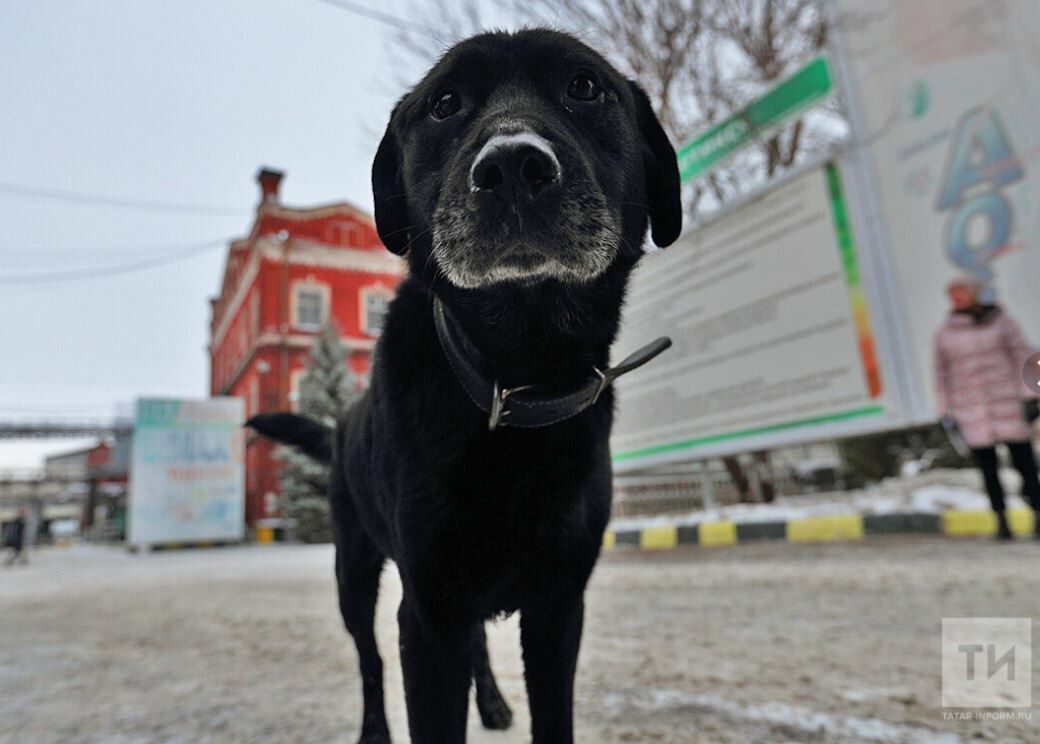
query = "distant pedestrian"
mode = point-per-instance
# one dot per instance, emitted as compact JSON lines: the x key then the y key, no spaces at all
{"x":979,"y":356}
{"x":16,"y":534}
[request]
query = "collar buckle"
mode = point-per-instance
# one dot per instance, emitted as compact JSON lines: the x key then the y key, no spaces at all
{"x":498,"y":403}
{"x":603,"y":382}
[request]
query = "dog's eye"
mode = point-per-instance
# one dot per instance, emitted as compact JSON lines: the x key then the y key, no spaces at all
{"x":445,"y":104}
{"x":584,"y":88}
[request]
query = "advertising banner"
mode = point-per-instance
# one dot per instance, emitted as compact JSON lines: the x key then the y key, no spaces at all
{"x":949,"y":101}
{"x":774,"y":342}
{"x":786,"y":101}
{"x":186,"y":471}
{"x":809,"y":312}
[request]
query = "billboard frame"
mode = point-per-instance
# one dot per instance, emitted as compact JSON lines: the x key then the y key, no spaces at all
{"x":161,"y":414}
{"x":874,"y":273}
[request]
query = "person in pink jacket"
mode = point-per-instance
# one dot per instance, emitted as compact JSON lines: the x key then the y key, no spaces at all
{"x":979,"y":356}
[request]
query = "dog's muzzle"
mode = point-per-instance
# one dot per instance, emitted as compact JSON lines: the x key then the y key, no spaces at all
{"x":520,"y":165}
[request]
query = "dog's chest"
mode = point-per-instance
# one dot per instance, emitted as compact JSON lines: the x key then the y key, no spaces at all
{"x":481,"y":520}
{"x":491,"y":533}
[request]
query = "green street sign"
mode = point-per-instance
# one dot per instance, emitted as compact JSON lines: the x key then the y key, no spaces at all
{"x":788,"y":99}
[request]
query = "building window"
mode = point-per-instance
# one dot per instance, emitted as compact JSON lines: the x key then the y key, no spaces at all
{"x":294,"y":388}
{"x":375,"y":304}
{"x":343,"y":233}
{"x":310,"y":306}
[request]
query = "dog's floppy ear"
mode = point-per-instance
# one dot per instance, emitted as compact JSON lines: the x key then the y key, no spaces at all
{"x":662,"y":173}
{"x":388,"y":194}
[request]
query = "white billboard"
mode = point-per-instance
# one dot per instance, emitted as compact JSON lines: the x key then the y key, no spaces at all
{"x":947,"y":97}
{"x":774,"y":338}
{"x":186,"y":471}
{"x":809,"y":312}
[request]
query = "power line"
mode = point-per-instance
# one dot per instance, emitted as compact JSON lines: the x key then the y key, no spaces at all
{"x":25,"y":256}
{"x":53,"y":409}
{"x":379,"y":16}
{"x":106,"y":271}
{"x":19,"y":190}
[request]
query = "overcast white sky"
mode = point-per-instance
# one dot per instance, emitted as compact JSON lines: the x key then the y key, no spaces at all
{"x":163,"y":101}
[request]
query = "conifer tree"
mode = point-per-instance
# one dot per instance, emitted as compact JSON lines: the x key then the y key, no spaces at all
{"x":327,"y":389}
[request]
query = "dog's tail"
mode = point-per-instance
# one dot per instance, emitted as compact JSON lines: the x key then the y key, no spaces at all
{"x":311,"y":437}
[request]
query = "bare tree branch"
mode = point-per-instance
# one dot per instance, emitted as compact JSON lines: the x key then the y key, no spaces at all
{"x":698,"y":60}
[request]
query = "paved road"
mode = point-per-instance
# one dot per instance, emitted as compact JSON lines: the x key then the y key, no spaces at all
{"x":757,"y":643}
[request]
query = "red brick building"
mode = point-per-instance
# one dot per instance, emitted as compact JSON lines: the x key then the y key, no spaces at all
{"x":295,"y":270}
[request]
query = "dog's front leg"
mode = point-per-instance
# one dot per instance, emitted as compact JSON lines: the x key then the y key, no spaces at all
{"x":551,"y":635}
{"x":493,"y":709}
{"x":437,"y":666}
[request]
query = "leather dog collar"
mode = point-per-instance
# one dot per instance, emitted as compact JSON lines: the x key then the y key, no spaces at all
{"x":518,"y":406}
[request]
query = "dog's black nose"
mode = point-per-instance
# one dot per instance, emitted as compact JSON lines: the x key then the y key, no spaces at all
{"x":521,"y":163}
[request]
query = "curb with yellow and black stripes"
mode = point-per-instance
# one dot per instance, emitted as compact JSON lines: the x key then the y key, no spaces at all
{"x":831,"y":528}
{"x":196,"y":545}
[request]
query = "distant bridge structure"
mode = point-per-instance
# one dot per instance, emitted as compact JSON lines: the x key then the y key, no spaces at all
{"x":53,"y":428}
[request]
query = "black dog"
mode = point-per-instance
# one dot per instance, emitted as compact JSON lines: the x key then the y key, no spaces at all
{"x":519,"y":177}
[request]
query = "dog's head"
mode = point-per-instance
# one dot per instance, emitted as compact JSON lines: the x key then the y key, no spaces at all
{"x":521,"y":158}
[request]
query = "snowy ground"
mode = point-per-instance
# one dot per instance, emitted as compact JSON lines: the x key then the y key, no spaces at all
{"x":767,"y":642}
{"x":931,"y":492}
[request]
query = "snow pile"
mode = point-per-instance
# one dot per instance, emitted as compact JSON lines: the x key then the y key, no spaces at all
{"x":931,"y":492}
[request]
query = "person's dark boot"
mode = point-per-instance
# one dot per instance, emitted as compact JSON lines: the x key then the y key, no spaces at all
{"x":1003,"y":530}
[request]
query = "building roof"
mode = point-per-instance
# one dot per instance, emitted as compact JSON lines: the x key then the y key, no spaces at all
{"x":339,"y":226}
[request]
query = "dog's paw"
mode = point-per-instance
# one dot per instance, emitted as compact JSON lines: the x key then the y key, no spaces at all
{"x":495,"y":713}
{"x":377,"y":737}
